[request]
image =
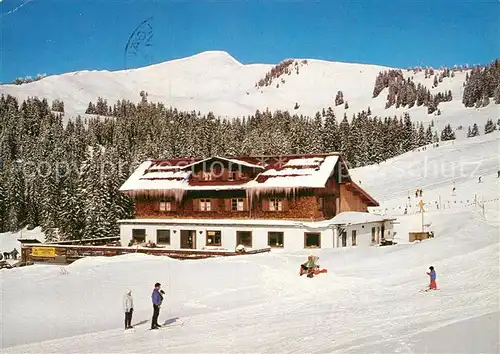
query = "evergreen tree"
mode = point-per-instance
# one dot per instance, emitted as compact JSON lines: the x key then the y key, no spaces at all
{"x":16,"y":198}
{"x":447,"y":133}
{"x":475,"y":130}
{"x":339,"y":99}
{"x":330,"y":132}
{"x":489,"y":127}
{"x":344,"y":131}
{"x":3,"y":207}
{"x":428,"y":135}
{"x":496,"y":95}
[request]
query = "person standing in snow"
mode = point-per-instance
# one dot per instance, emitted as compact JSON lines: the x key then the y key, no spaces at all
{"x":128,"y":307}
{"x":157,"y":300}
{"x":432,"y":276}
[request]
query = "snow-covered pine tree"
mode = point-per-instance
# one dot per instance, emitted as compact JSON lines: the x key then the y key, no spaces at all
{"x":408,"y":140}
{"x":339,"y":98}
{"x":375,"y":139}
{"x":490,"y":127}
{"x":421,"y":136}
{"x":496,"y":95}
{"x":428,"y":135}
{"x":447,"y":133}
{"x":474,"y":131}
{"x":330,"y":133}
{"x":316,"y":135}
{"x":16,"y":198}
{"x":344,"y":131}
{"x":3,"y":205}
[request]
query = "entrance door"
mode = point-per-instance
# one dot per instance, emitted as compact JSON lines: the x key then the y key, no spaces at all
{"x":344,"y":238}
{"x":188,"y":239}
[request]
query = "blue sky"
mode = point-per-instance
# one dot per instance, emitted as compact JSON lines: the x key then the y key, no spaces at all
{"x":56,"y":36}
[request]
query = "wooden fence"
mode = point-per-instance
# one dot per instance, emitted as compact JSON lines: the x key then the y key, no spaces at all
{"x":62,"y":254}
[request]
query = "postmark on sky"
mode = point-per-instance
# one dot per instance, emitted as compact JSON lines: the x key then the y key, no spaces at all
{"x":138,"y":50}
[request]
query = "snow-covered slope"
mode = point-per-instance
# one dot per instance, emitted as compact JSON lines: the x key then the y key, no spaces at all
{"x":215,"y":81}
{"x":369,"y":301}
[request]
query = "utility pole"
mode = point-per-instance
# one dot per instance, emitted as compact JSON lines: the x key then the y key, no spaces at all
{"x":421,"y":205}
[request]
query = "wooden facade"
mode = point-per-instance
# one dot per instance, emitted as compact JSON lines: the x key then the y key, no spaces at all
{"x":219,"y":193}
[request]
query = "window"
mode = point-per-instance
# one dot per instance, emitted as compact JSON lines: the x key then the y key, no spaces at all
{"x":275,"y":205}
{"x":163,"y":237}
{"x":344,"y":238}
{"x":214,"y":238}
{"x":139,"y":235}
{"x":237,"y":204}
{"x":244,"y":238}
{"x":275,"y":239}
{"x":312,"y":240}
{"x":353,"y":236}
{"x":165,"y":206}
{"x":373,"y":235}
{"x":205,"y":205}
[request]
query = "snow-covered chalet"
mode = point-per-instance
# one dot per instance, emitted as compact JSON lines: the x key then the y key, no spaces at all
{"x":292,"y":202}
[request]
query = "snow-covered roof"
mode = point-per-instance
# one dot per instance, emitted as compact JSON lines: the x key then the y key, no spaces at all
{"x":297,"y":173}
{"x":277,"y":174}
{"x":354,"y":218}
{"x":173,"y":176}
{"x":233,"y":161}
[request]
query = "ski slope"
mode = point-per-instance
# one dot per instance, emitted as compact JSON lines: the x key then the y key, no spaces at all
{"x":369,"y":301}
{"x":215,"y":81}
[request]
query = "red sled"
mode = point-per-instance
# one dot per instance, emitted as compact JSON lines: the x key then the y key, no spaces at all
{"x":314,"y":272}
{"x":317,"y":271}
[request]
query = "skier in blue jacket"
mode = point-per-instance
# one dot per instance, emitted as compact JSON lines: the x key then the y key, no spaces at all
{"x":432,"y":276}
{"x":157,"y":297}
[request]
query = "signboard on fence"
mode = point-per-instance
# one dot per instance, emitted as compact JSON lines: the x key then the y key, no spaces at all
{"x":43,"y":252}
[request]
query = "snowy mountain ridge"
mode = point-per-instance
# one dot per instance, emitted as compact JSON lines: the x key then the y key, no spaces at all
{"x":215,"y":81}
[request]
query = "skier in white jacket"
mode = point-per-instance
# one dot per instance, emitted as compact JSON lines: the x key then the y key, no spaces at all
{"x":128,"y":306}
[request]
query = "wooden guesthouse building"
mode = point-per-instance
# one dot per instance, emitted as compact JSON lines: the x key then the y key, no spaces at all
{"x":288,"y":201}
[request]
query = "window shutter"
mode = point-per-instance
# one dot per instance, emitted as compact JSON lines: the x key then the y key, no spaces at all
{"x":245,"y":204}
{"x":196,"y":205}
{"x":284,"y":204}
{"x":227,"y":204}
{"x":265,"y":204}
{"x":219,"y":204}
